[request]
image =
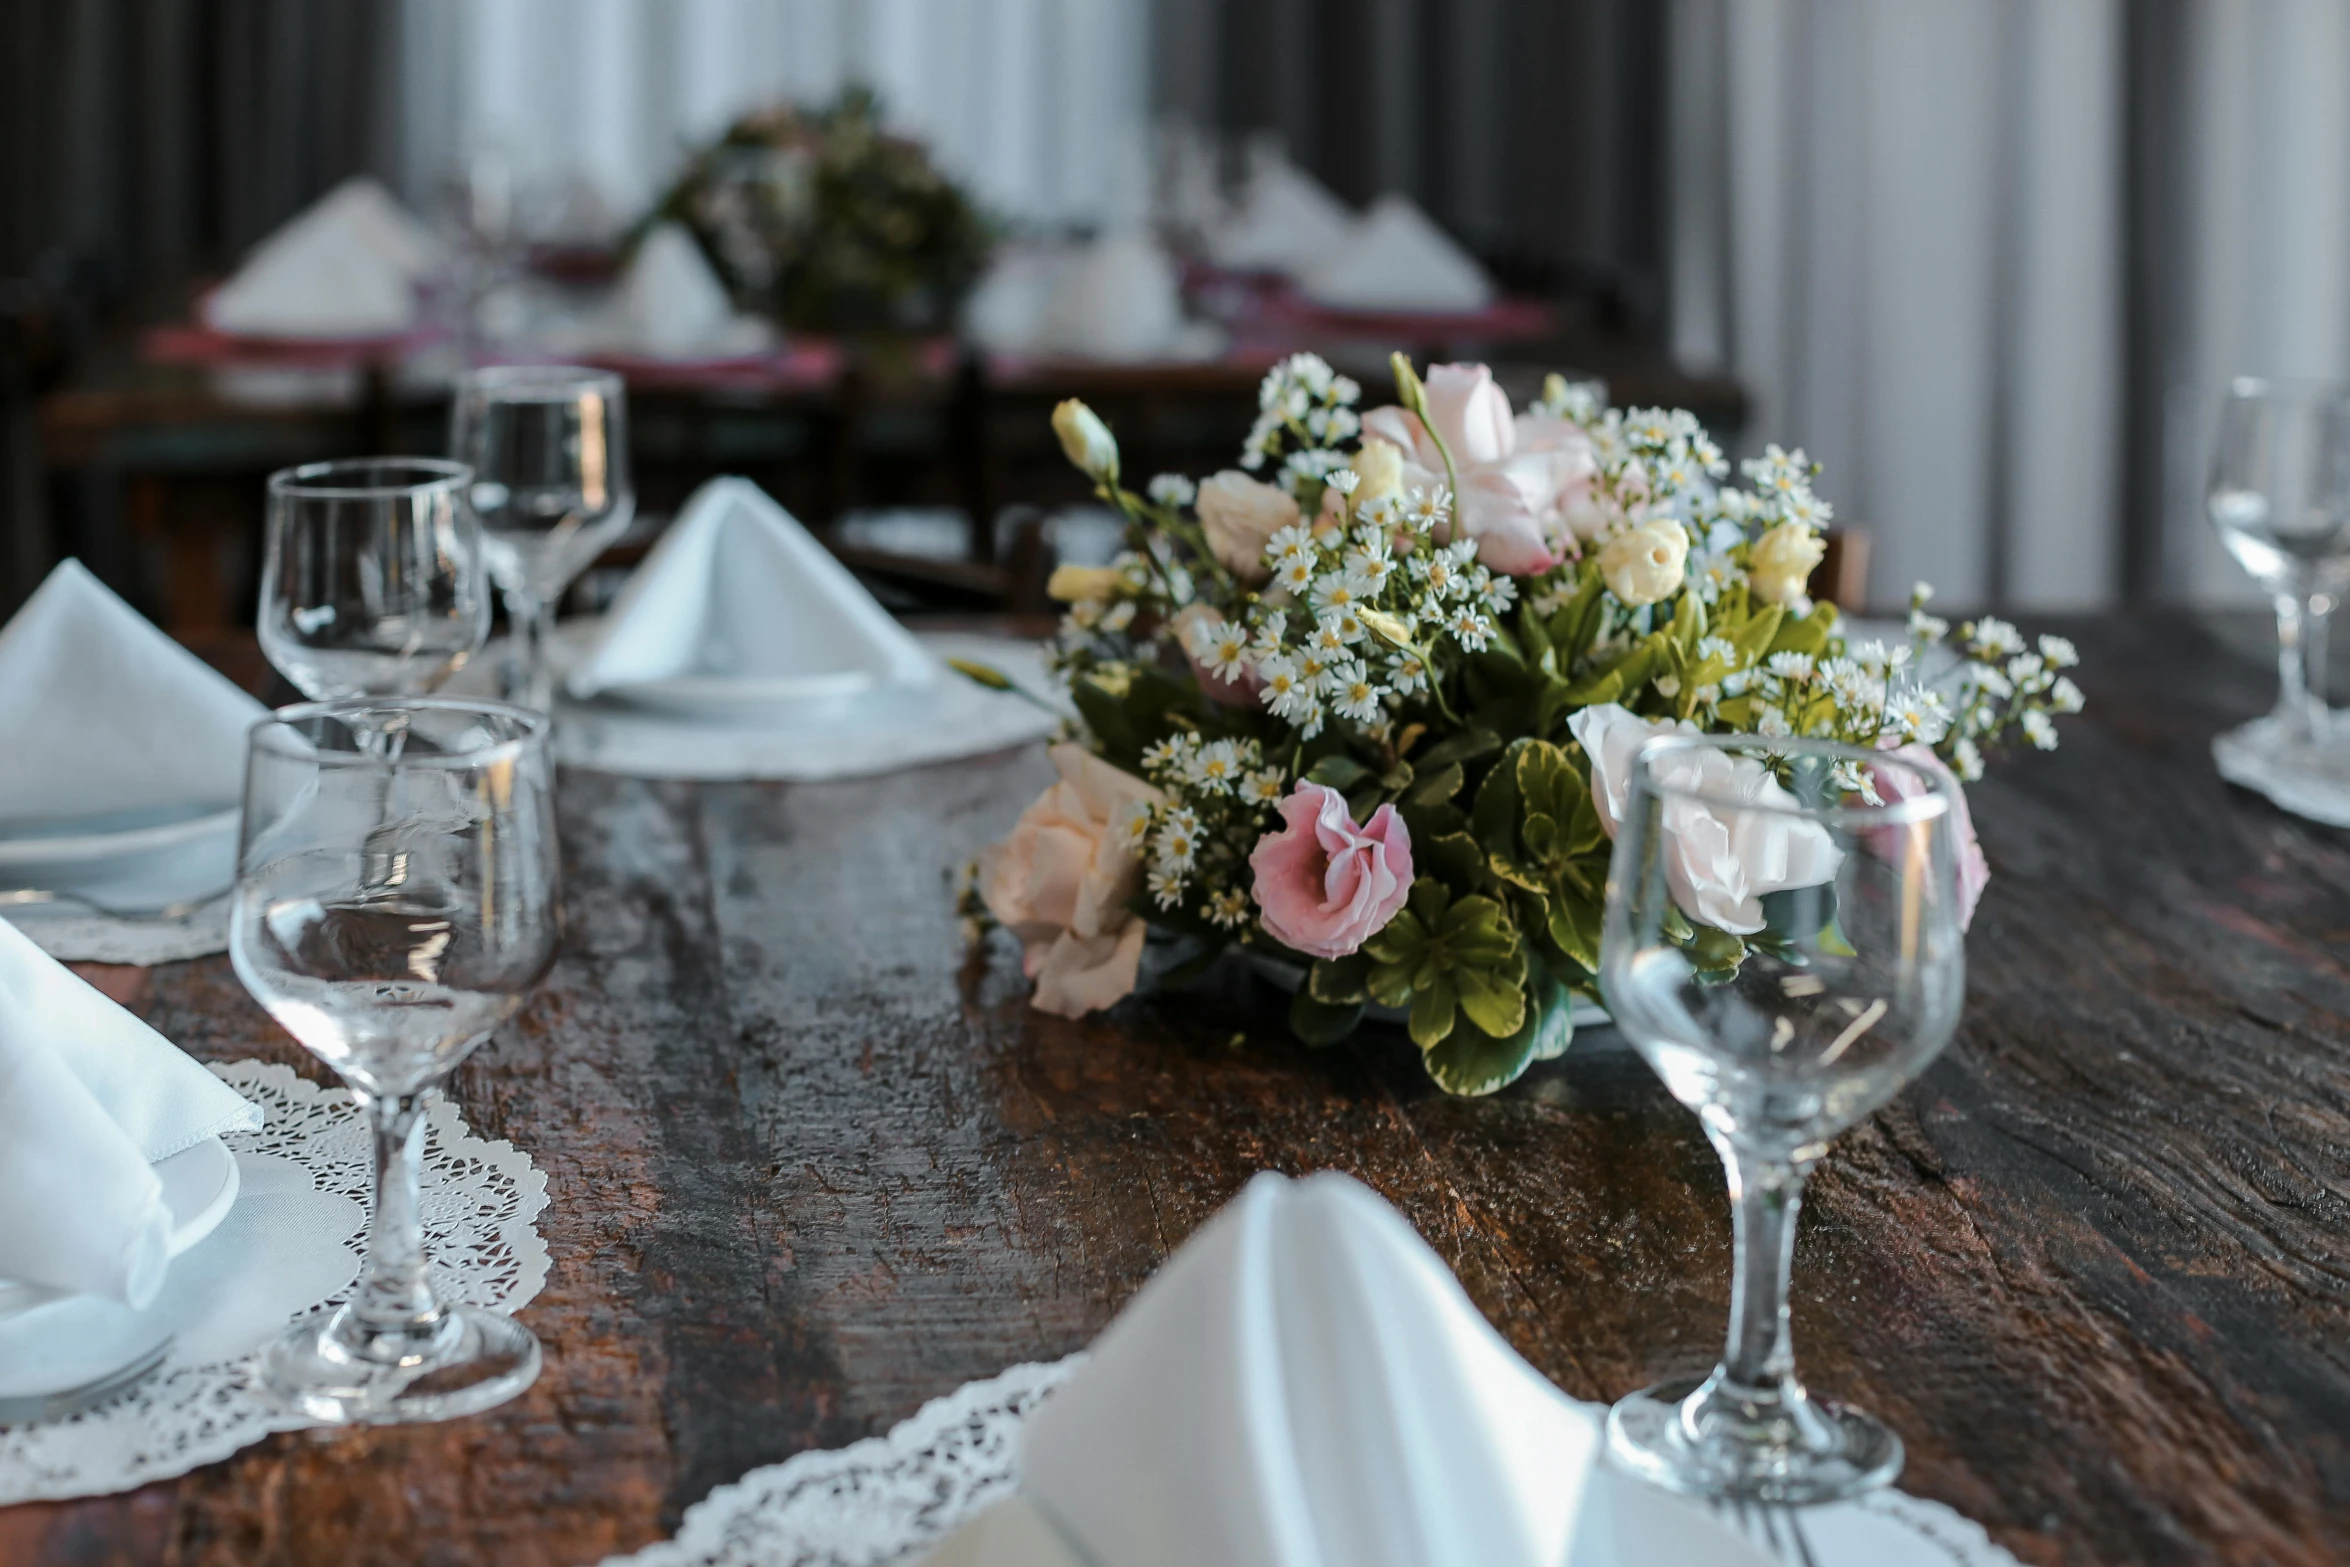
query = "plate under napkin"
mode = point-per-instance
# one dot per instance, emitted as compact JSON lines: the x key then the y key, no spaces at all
{"x":1305,"y":1384}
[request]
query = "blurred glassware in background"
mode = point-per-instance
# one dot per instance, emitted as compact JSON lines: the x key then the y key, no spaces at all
{"x":372,"y":577}
{"x":1786,"y":955}
{"x":548,"y":446}
{"x":393,"y":907}
{"x":2279,"y":495}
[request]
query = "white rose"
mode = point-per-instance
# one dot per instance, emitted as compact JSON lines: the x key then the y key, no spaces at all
{"x":1643,"y":565}
{"x":1719,"y":859}
{"x":1239,"y":514}
{"x":1779,"y":566}
{"x":1086,"y":441}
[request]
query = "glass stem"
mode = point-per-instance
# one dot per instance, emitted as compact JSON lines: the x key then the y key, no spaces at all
{"x":2296,"y":628}
{"x":1765,"y":1196}
{"x":532,"y":681}
{"x":394,"y":1316}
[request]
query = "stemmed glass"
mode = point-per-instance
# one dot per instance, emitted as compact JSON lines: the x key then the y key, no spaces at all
{"x":1786,"y":956}
{"x":548,"y":445}
{"x":372,"y":578}
{"x":2279,"y":495}
{"x":392,"y":908}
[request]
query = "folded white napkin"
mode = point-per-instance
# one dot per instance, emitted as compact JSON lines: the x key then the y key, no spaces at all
{"x":669,"y":304}
{"x":1396,"y":258}
{"x":738,"y":589}
{"x":1287,"y":221}
{"x":1306,"y":1385}
{"x":346,"y":266}
{"x":1118,"y":298}
{"x":104,"y":713}
{"x":90,"y":1098}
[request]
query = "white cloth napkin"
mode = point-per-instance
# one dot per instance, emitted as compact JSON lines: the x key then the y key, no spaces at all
{"x":1286,"y":223}
{"x":669,"y":304}
{"x":104,"y":713}
{"x":737,"y":587}
{"x":347,"y":266}
{"x":90,"y":1098}
{"x":1306,"y":1385}
{"x":1396,"y":258}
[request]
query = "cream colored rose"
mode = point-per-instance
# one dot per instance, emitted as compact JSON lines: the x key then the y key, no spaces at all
{"x":1780,"y":564}
{"x":1378,"y":470}
{"x":1239,"y":514}
{"x":1062,"y":880}
{"x":1644,"y":564}
{"x":1086,"y":441}
{"x":1076,"y":584}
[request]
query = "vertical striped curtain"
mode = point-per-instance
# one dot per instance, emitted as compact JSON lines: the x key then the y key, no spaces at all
{"x":1038,"y":105}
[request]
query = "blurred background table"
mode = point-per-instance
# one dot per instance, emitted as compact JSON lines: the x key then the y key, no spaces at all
{"x":813,"y":1163}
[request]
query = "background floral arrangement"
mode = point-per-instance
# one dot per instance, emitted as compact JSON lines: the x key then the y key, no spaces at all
{"x":1373,"y":712}
{"x":826,"y":222}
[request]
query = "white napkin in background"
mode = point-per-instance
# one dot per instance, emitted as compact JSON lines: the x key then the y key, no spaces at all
{"x":90,"y":1097}
{"x":347,"y":266}
{"x":1118,"y":299}
{"x":738,"y":587}
{"x":669,"y":304}
{"x":1288,"y":221}
{"x":1306,"y":1385}
{"x":104,"y":713}
{"x":1396,"y":258}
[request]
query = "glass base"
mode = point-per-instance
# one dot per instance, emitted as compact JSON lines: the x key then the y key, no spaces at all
{"x":1701,"y":1440}
{"x":2309,"y":776}
{"x":327,"y":1367}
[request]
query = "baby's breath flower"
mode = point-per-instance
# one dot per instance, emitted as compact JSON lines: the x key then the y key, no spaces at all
{"x":1173,"y":489}
{"x":2064,"y":696}
{"x":1993,"y":637}
{"x":1424,"y":509}
{"x":1920,"y":715}
{"x":1966,"y":760}
{"x":2059,"y":652}
{"x":1796,"y":667}
{"x":1266,"y":786}
{"x":1470,"y":628}
{"x":1118,"y":616}
{"x":1332,"y":591}
{"x":2040,"y":729}
{"x":1167,"y":887}
{"x":1133,"y":823}
{"x":1228,"y":909}
{"x":1354,"y":693}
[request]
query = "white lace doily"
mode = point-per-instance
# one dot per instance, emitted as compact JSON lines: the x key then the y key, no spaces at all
{"x":289,"y":1246}
{"x":885,"y":1500}
{"x":75,"y":937}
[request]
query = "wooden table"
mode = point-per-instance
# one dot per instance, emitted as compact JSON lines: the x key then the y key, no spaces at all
{"x":812,"y":1164}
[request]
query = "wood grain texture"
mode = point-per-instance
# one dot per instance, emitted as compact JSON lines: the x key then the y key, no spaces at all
{"x":813,"y":1162}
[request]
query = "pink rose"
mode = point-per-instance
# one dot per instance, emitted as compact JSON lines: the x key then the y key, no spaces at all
{"x":1061,"y":882}
{"x":1526,"y":482}
{"x":1895,"y":783}
{"x":1471,"y":413}
{"x":1327,"y":886}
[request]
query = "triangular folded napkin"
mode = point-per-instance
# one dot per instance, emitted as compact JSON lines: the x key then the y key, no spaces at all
{"x":347,"y":266}
{"x":90,"y":1098}
{"x":1306,"y":1385}
{"x":669,"y":304}
{"x":1397,"y":259}
{"x":737,"y":589}
{"x":104,"y":714}
{"x":1287,"y":222}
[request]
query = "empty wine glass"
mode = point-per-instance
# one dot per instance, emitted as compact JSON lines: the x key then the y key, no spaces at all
{"x":392,"y":908}
{"x":2279,"y":494}
{"x":548,"y":445}
{"x":1786,"y":956}
{"x":372,"y":578}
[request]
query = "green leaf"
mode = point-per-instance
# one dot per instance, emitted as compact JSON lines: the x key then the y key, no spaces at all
{"x":1799,"y":913}
{"x":1338,"y":772}
{"x":1492,"y":1001}
{"x":1472,"y":1062}
{"x":1434,"y":1009}
{"x":1338,"y":981}
{"x":1429,"y":822}
{"x":1453,"y":856}
{"x":1434,"y":788}
{"x":1317,"y":1023}
{"x":1753,"y":639}
{"x":1465,"y":746}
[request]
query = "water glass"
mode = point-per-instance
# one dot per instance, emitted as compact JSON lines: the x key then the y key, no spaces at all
{"x":394,"y":905}
{"x":548,"y":446}
{"x":1786,"y":955}
{"x":372,"y":577}
{"x":2279,"y":495}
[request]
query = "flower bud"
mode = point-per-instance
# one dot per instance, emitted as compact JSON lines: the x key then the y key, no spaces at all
{"x":1087,"y":441}
{"x":1779,"y":565}
{"x":1645,"y":564}
{"x":1075,"y":584}
{"x":1378,"y":469}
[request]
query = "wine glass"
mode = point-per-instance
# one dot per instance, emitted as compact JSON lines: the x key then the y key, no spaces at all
{"x":392,"y":908}
{"x":548,"y":445}
{"x":372,"y":579}
{"x":2279,"y":495}
{"x":1786,"y":956}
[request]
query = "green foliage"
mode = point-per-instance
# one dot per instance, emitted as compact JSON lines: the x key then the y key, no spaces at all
{"x":1445,"y":958}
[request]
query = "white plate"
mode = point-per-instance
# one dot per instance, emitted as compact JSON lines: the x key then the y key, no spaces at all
{"x":30,"y":846}
{"x":732,"y":696}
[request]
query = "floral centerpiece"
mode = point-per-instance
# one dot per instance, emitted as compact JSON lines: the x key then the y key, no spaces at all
{"x":825,"y":221}
{"x":1367,"y":703}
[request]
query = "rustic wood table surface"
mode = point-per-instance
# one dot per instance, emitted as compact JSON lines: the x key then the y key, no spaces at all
{"x":812,"y":1163}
